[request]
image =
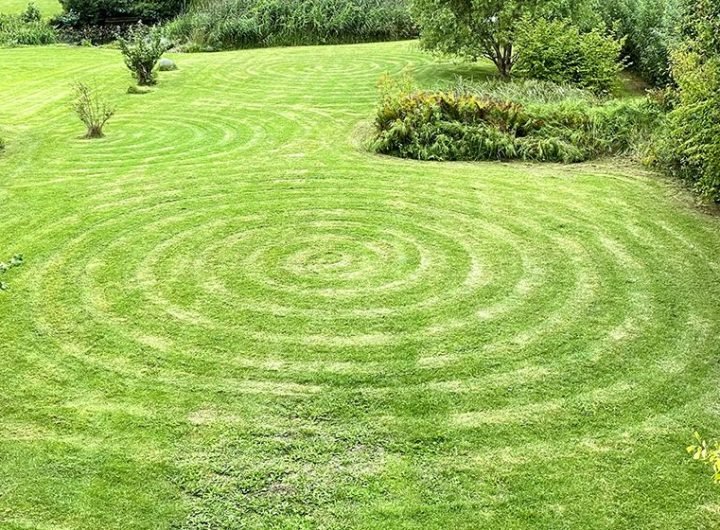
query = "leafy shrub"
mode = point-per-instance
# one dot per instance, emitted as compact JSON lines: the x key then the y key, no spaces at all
{"x":557,"y":51}
{"x":16,"y":31}
{"x":92,"y":110}
{"x":142,"y":49}
{"x":101,"y":12}
{"x":689,"y":144}
{"x":463,"y":125}
{"x":234,"y":24}
{"x":702,"y":451}
{"x":650,"y":30}
{"x":16,"y":261}
{"x":486,"y":28}
{"x":31,"y":14}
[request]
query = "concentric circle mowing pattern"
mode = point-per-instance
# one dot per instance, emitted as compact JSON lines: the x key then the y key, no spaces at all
{"x":266,"y":325}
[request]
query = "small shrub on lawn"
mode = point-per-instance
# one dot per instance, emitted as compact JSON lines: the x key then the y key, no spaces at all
{"x":557,"y":51}
{"x":475,"y":125}
{"x":92,"y":110}
{"x":142,"y":48}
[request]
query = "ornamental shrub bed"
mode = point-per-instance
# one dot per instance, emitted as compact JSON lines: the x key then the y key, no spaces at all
{"x":464,"y":125}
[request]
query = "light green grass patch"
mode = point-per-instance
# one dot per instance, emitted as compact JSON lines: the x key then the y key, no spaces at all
{"x":47,"y":7}
{"x":232,"y":316}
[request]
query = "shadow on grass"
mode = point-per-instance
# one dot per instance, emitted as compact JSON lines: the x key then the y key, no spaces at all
{"x":443,"y":74}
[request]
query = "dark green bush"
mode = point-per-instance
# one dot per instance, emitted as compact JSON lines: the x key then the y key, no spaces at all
{"x":557,"y":51}
{"x":455,"y":125}
{"x":689,"y":144}
{"x":234,"y":24}
{"x":72,"y":31}
{"x":101,"y":12}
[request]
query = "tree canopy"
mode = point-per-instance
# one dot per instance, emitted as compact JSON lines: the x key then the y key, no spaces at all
{"x":486,"y":28}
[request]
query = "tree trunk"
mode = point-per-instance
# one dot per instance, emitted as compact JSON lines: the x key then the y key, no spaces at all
{"x":505,"y":61}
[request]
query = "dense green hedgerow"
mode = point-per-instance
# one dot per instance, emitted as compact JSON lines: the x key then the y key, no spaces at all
{"x":467,"y":125}
{"x":649,"y":29}
{"x":233,"y":24}
{"x":689,"y":144}
{"x":557,"y":51}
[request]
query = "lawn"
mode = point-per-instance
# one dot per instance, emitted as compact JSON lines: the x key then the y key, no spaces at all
{"x":47,"y":7}
{"x":233,"y":316}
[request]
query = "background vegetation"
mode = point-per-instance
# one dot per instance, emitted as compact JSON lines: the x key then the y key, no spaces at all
{"x":558,"y":51}
{"x":98,"y":12}
{"x":26,"y":28}
{"x":649,"y":29}
{"x":231,"y":24}
{"x":689,"y":144}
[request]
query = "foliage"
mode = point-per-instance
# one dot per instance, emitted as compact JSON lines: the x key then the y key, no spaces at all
{"x":31,"y":14}
{"x":464,"y":125}
{"x":702,"y":451}
{"x":232,"y":24}
{"x":18,"y":30}
{"x":527,"y":91}
{"x":71,"y":30}
{"x":689,"y":144}
{"x":142,"y":48}
{"x":101,"y":12}
{"x":92,"y":110}
{"x":559,"y":52}
{"x":484,"y":28}
{"x":650,"y":30}
{"x":15,"y":261}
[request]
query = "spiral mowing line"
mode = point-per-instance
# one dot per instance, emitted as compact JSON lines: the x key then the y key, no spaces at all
{"x":291,"y":318}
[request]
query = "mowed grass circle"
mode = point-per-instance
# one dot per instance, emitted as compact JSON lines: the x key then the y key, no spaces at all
{"x":232,"y":316}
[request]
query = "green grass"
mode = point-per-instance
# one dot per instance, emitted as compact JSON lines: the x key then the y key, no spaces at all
{"x":232,"y":316}
{"x":47,"y":7}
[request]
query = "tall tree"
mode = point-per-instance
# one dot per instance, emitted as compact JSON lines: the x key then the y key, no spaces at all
{"x":485,"y":28}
